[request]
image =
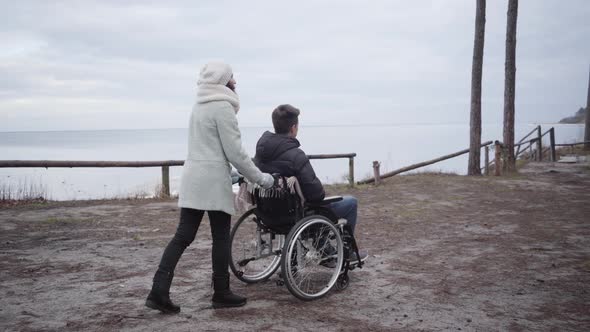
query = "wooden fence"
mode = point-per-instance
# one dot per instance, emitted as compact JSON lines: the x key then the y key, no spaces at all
{"x":538,"y":141}
{"x":571,"y":145}
{"x":499,"y":154}
{"x":526,"y":143}
{"x":377,"y":177}
{"x":165,"y":164}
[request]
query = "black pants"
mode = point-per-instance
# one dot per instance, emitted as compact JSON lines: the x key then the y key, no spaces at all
{"x":190,"y":219}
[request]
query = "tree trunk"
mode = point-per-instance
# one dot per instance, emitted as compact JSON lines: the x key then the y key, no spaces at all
{"x":587,"y":129}
{"x":474,"y":167}
{"x":509,"y":84}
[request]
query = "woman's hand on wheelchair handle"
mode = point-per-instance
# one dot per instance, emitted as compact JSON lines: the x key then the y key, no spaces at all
{"x":268,"y":181}
{"x":276,"y":176}
{"x":236,"y":177}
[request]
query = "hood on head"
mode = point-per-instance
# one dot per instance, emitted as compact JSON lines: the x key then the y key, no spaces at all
{"x":270,"y":146}
{"x":215,"y":72}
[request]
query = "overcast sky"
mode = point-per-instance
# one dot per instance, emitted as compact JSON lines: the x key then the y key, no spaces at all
{"x":70,"y":65}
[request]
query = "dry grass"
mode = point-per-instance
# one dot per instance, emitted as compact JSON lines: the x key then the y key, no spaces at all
{"x":25,"y":191}
{"x":30,"y":193}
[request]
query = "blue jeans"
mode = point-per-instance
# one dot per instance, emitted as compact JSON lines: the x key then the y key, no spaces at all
{"x":347,"y":209}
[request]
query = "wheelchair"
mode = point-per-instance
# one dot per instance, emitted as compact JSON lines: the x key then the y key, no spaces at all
{"x":307,"y":241}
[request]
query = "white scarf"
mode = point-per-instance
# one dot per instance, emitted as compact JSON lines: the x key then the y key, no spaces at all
{"x":217,"y":92}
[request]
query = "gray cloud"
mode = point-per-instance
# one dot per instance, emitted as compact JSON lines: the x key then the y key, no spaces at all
{"x":79,"y":65}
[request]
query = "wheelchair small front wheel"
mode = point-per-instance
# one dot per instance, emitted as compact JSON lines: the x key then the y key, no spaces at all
{"x":312,"y":257}
{"x":343,"y":281}
{"x":255,"y":252}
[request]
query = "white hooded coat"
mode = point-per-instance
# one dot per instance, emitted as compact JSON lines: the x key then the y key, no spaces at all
{"x":214,"y":141}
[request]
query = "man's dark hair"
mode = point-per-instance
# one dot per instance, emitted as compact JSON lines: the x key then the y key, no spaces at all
{"x":284,"y":117}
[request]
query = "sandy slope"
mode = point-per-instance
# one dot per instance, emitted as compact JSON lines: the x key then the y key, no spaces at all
{"x":447,"y":253}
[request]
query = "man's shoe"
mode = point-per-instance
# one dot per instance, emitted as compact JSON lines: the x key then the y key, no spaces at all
{"x":329,"y":262}
{"x":354,"y":259}
{"x":328,"y":250}
{"x":329,"y":257}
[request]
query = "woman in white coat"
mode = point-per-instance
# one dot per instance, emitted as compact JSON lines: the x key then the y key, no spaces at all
{"x":214,"y":142}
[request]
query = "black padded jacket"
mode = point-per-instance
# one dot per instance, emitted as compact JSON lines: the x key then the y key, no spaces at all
{"x":276,"y":153}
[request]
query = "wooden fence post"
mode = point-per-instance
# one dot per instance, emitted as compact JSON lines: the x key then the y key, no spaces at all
{"x":165,"y":181}
{"x":504,"y":157}
{"x":376,"y":173}
{"x":487,"y":161}
{"x":539,"y":144}
{"x":552,"y":140}
{"x":498,"y":158}
{"x":351,"y":171}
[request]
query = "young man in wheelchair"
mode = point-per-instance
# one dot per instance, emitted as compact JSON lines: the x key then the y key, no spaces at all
{"x":279,"y":152}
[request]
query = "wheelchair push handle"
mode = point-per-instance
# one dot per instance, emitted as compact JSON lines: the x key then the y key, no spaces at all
{"x":239,"y":178}
{"x":236,"y":177}
{"x":277,"y":176}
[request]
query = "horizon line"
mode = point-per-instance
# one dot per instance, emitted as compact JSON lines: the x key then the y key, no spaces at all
{"x":303,"y":126}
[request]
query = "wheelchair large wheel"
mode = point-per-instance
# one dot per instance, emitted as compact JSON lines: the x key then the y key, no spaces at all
{"x":255,"y":252}
{"x":312,"y":257}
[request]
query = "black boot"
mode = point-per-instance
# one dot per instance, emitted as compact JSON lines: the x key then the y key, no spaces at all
{"x":159,"y":297}
{"x":222,"y":295}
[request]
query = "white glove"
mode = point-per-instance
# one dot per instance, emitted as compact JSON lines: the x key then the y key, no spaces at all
{"x":267,"y":181}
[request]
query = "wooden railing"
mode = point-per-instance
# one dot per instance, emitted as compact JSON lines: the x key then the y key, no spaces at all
{"x":165,"y":164}
{"x":571,"y":145}
{"x":350,"y":157}
{"x":500,"y":148}
{"x":377,"y":177}
{"x":539,"y":151}
{"x":499,"y":152}
{"x":538,"y":141}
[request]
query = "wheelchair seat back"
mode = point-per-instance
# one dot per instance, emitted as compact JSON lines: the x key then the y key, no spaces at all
{"x":279,"y":208}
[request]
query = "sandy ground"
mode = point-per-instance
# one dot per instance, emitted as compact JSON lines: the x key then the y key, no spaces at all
{"x":446,"y":253}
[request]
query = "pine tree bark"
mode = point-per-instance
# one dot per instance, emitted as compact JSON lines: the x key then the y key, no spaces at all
{"x":474,"y":168}
{"x":587,"y":128}
{"x":509,"y":83}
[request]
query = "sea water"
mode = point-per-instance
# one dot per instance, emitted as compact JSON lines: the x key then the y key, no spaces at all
{"x":394,"y":146}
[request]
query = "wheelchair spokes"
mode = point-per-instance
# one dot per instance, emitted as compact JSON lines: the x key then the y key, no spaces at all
{"x":311,"y":256}
{"x":304,"y":265}
{"x":255,"y":251}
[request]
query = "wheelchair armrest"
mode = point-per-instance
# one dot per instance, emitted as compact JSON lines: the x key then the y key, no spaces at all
{"x":327,"y":200}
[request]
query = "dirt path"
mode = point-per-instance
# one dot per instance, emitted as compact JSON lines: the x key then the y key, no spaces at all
{"x":446,"y":253}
